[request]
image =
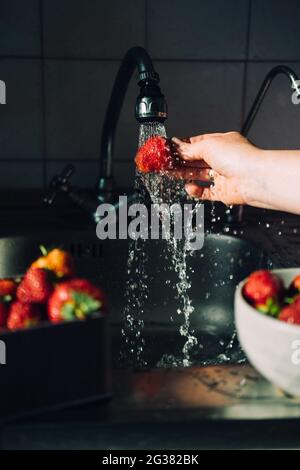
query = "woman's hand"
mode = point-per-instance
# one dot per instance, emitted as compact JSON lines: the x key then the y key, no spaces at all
{"x":232,"y":159}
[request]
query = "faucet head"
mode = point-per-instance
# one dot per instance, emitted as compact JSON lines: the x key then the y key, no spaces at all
{"x":150,"y":104}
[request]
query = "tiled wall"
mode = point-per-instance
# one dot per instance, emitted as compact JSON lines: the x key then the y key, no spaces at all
{"x":59,"y":59}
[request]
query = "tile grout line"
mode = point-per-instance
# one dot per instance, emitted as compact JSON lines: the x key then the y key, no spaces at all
{"x":146,"y":25}
{"x":176,"y":60}
{"x":89,"y":161}
{"x":245,"y":75}
{"x":44,"y":174}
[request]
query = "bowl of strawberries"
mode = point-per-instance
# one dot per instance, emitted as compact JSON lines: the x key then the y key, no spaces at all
{"x":54,"y":326}
{"x":267,"y":317}
{"x":49,"y":291}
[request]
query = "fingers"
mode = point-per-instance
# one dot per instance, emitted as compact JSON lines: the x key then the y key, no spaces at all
{"x":197,"y":192}
{"x":205,"y":190}
{"x":200,"y":138}
{"x":178,"y":141}
{"x":189,"y":151}
{"x":182,"y":148}
{"x":191,"y":173}
{"x":194,"y":190}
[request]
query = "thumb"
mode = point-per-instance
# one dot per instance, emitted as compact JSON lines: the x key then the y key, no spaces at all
{"x":189,"y":151}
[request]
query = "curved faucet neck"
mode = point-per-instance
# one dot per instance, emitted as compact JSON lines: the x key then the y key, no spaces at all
{"x":136,"y":57}
{"x":279,"y":69}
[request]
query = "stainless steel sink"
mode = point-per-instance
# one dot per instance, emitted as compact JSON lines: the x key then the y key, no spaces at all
{"x":214,"y":273}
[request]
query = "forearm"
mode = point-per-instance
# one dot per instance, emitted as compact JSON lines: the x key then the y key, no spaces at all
{"x":274,"y":182}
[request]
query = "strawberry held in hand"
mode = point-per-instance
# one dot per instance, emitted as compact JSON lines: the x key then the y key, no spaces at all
{"x":23,"y":315}
{"x":154,"y":156}
{"x":264,"y":290}
{"x":75,"y":299}
{"x":35,"y":286}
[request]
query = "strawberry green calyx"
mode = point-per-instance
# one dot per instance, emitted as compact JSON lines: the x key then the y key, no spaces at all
{"x":5,"y":298}
{"x":75,"y":299}
{"x":271,"y":307}
{"x":86,"y":303}
{"x":68,"y":311}
{"x":43,"y":250}
{"x":80,"y":306}
{"x":289,"y":300}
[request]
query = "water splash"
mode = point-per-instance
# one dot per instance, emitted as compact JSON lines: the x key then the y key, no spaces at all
{"x":136,"y":289}
{"x":151,"y":129}
{"x":163,"y":189}
{"x":136,"y":294}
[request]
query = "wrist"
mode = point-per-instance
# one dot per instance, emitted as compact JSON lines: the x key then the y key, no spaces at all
{"x":254,"y":184}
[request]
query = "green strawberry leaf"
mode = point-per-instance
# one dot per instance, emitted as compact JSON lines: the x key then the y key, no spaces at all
{"x":288,"y":300}
{"x":85,"y":303}
{"x":274,"y":310}
{"x":5,"y":298}
{"x":68,"y":311}
{"x":43,"y":250}
{"x":271,"y":307}
{"x":263,"y":308}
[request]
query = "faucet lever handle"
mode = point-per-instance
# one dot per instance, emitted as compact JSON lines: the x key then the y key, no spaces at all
{"x":59,"y":182}
{"x":67,"y":172}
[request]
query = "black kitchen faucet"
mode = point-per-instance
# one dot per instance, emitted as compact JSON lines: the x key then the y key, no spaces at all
{"x":150,"y":106}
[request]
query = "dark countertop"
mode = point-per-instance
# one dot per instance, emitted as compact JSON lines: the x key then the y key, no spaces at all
{"x":121,"y":424}
{"x":168,"y":409}
{"x":277,"y":233}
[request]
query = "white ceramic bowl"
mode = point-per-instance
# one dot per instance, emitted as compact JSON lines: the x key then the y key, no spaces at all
{"x":272,"y":346}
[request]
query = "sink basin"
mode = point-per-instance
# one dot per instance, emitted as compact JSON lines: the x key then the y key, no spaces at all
{"x":214,"y":272}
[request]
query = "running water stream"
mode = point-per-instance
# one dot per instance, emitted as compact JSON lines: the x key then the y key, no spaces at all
{"x":162,"y":190}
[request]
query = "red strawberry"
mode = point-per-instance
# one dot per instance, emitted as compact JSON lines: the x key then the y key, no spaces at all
{"x":154,"y":156}
{"x":35,"y":287}
{"x":296,"y":283}
{"x":264,"y":290}
{"x":7,"y":288}
{"x":3,"y":314}
{"x":59,"y":261}
{"x":77,"y":298}
{"x":23,"y":315}
{"x":293,"y":290}
{"x":7,"y":293}
{"x":291,"y":313}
